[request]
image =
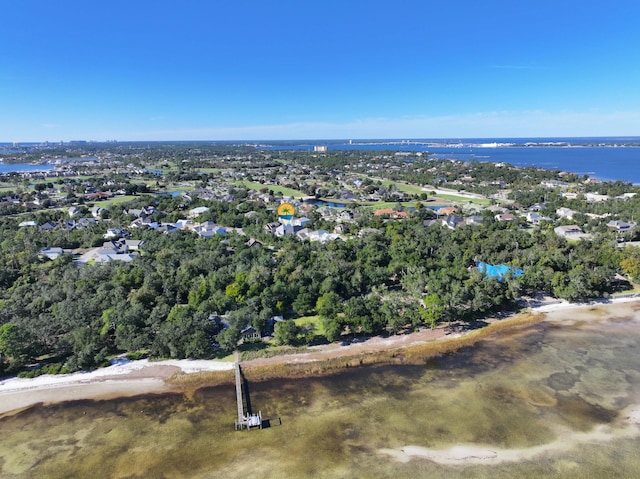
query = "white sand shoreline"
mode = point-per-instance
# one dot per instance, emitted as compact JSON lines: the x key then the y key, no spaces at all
{"x":123,"y":378}
{"x":128,"y":378}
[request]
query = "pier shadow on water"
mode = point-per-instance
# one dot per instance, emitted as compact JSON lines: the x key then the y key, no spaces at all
{"x":267,"y":422}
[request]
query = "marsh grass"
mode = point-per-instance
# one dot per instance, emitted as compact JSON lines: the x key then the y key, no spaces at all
{"x":415,"y":354}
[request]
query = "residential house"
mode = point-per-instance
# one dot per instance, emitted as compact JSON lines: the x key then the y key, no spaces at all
{"x":595,"y":197}
{"x":51,"y":252}
{"x":133,"y":212}
{"x":626,"y":196}
{"x":132,"y":245}
{"x":391,"y":213}
{"x":166,"y":228}
{"x":84,"y":222}
{"x":326,"y":212}
{"x":73,"y":211}
{"x":345,"y":216}
{"x":620,"y":226}
{"x":197,"y":211}
{"x":452,"y":221}
{"x":208,"y":229}
{"x":538,"y":207}
{"x":570,"y":232}
{"x":554,"y":184}
{"x":474,"y":220}
{"x":48,"y":226}
{"x":254,"y":242}
{"x":97,"y":211}
{"x":303,"y":234}
{"x":429,"y":223}
{"x":271,"y":227}
{"x":535,"y":218}
{"x":570,"y":195}
{"x":110,"y":251}
{"x":144,"y":223}
{"x":565,"y":213}
{"x":284,"y":230}
{"x":115,"y":233}
{"x":249,"y":333}
{"x":302,"y":222}
{"x":497,"y":209}
{"x":446,"y":211}
{"x":505,"y":217}
{"x":323,"y":236}
{"x":28,"y":224}
{"x":385,"y":212}
{"x":184,"y":224}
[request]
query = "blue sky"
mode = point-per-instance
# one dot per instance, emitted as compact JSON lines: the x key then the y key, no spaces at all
{"x":251,"y":70}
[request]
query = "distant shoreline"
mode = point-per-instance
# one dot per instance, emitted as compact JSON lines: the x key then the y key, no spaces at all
{"x":133,"y":378}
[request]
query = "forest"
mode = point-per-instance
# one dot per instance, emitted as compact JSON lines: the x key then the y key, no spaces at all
{"x":163,"y":302}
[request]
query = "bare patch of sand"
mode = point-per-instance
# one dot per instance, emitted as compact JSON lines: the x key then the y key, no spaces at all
{"x":474,"y":454}
{"x":336,"y":350}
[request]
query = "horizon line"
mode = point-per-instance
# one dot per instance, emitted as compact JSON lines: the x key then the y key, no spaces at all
{"x":380,"y":139}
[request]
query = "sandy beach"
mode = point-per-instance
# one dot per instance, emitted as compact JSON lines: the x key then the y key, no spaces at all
{"x":122,"y":379}
{"x":129,"y":378}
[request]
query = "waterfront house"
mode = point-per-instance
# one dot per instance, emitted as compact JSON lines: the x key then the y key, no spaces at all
{"x":249,"y":333}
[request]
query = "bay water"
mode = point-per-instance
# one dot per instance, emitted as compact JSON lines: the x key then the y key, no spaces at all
{"x":553,"y":400}
{"x":608,"y":159}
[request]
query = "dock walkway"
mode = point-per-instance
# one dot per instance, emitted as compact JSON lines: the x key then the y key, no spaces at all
{"x":245,"y":420}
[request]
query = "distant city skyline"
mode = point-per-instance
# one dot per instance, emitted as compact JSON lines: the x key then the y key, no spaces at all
{"x":290,"y":70}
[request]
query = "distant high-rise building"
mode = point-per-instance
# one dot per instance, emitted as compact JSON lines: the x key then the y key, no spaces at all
{"x":320,"y":148}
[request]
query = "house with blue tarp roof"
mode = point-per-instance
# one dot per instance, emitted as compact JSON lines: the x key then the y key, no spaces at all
{"x":498,"y":271}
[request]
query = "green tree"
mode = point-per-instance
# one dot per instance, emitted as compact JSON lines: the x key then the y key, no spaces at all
{"x":631,"y":266}
{"x":432,"y":311}
{"x":228,"y":339}
{"x":286,"y":332}
{"x":15,"y":345}
{"x":329,"y":305}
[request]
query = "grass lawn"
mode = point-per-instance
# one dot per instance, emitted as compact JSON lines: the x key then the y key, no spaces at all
{"x":312,"y":320}
{"x":404,"y":187}
{"x":418,"y":190}
{"x":462,"y":199}
{"x":276,"y":189}
{"x":116,"y":200}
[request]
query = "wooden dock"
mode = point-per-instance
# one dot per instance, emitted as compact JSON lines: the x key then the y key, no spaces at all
{"x":245,"y":419}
